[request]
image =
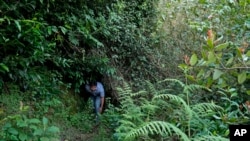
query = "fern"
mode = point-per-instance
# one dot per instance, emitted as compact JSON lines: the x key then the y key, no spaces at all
{"x":193,"y":87}
{"x":151,"y":88}
{"x":139,"y":113}
{"x":156,"y":127}
{"x":203,"y":109}
{"x":175,"y":98}
{"x":210,"y":138}
{"x":138,"y":93}
{"x":173,"y":80}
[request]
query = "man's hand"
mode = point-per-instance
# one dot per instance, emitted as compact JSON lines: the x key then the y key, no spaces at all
{"x":100,"y":109}
{"x":102,"y":103}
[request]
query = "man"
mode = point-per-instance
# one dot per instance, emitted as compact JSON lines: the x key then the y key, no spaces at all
{"x":97,"y":94}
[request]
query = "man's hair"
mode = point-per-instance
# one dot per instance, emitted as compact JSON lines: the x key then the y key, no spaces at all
{"x":92,"y":83}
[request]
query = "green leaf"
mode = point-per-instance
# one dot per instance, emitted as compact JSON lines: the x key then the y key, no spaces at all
{"x":193,"y":59}
{"x":221,"y":46}
{"x":23,"y":137}
{"x":248,"y":92}
{"x":45,"y":121}
{"x":18,"y":25}
{"x":22,"y":123}
{"x":248,"y":53}
{"x":54,"y":29}
{"x":53,"y":129}
{"x":210,"y":43}
{"x":238,"y":53}
{"x":242,"y":77}
{"x":13,"y":131}
{"x":34,"y":120}
{"x":234,"y":95}
{"x":44,"y":139}
{"x":229,"y":61}
{"x":4,"y":67}
{"x":63,"y":29}
{"x":38,"y":132}
{"x":183,"y":66}
{"x":217,"y":73}
{"x":211,"y":57}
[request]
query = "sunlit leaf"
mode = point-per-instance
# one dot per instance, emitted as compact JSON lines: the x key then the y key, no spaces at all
{"x":211,"y":57}
{"x":221,"y":46}
{"x":217,"y":73}
{"x":242,"y":77}
{"x":248,"y":92}
{"x":4,"y":67}
{"x":229,"y":61}
{"x":210,"y":43}
{"x":248,"y":53}
{"x":193,"y":59}
{"x":190,"y":77}
{"x":63,"y":29}
{"x":18,"y":25}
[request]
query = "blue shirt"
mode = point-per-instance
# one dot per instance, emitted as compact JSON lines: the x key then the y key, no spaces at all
{"x":99,"y":90}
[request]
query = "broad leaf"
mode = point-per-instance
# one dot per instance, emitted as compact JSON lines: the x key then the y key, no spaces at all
{"x":193,"y":59}
{"x":221,"y":46}
{"x":23,"y":137}
{"x":53,"y":129}
{"x":242,"y":77}
{"x":38,"y":132}
{"x":45,"y":121}
{"x":210,"y":43}
{"x":13,"y":131}
{"x":248,"y":53}
{"x":229,"y":61}
{"x":44,"y":139}
{"x":248,"y":92}
{"x":211,"y":57}
{"x":34,"y":120}
{"x":217,"y":74}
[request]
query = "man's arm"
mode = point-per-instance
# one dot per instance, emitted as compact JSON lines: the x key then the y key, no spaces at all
{"x":102,"y":103}
{"x":102,"y":95}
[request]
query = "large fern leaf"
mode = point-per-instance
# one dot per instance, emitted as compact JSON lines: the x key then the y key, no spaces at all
{"x":204,"y":109}
{"x":209,"y":138}
{"x":193,"y":87}
{"x":156,"y":127}
{"x":175,"y":98}
{"x":173,"y":80}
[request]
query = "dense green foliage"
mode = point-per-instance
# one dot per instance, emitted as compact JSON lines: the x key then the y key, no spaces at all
{"x":50,"y":48}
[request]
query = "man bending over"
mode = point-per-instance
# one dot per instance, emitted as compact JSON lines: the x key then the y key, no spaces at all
{"x":97,"y":95}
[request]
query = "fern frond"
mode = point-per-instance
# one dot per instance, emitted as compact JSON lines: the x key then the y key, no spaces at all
{"x":173,"y":80}
{"x":203,"y":109}
{"x":193,"y":87}
{"x":127,"y":123}
{"x":151,"y":88}
{"x":178,"y":99}
{"x":138,"y":93}
{"x":170,"y":97}
{"x":156,"y":127}
{"x":210,"y":138}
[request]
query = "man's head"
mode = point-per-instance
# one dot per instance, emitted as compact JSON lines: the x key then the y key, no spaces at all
{"x":93,"y":85}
